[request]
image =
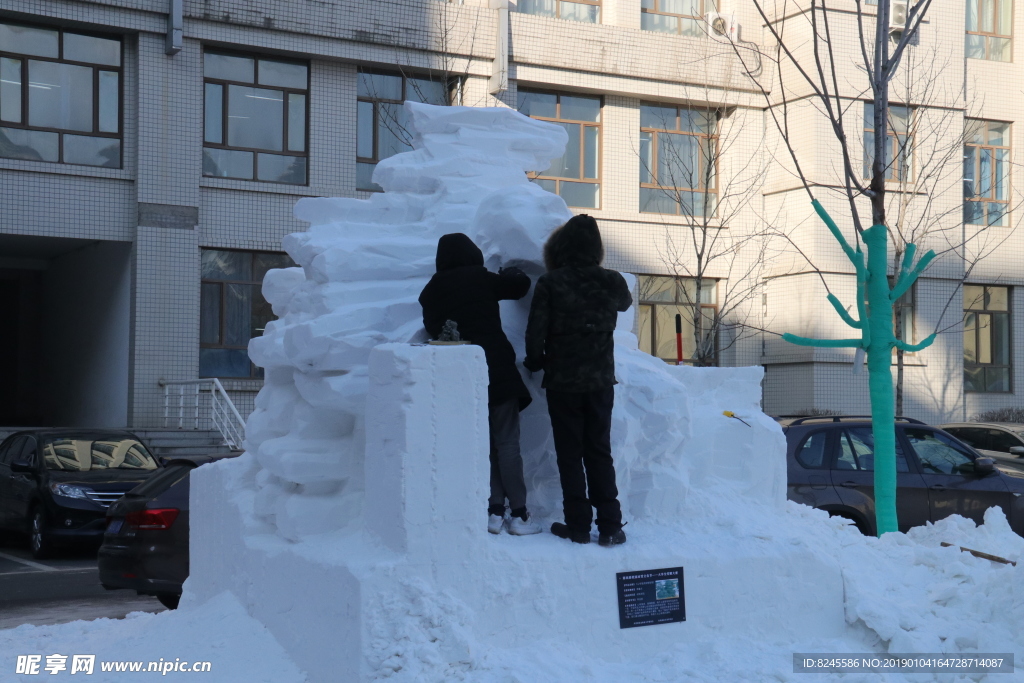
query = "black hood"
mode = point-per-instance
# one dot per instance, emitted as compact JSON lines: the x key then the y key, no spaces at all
{"x":457,"y":251}
{"x":577,"y":243}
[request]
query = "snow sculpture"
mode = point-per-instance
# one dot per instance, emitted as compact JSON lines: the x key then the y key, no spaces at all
{"x":364,"y":263}
{"x":360,"y":503}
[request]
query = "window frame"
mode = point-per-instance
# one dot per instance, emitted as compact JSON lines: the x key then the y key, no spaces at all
{"x":978,"y":147}
{"x":558,"y":11}
{"x":376,"y":101}
{"x":977,"y":338}
{"x":989,"y":35}
{"x":827,"y":449}
{"x":285,"y":116}
{"x":677,"y":191}
{"x":96,"y":69}
{"x":706,"y":6}
{"x":894,"y":145}
{"x":640,"y":302}
{"x":541,"y":175}
{"x":222,"y":305}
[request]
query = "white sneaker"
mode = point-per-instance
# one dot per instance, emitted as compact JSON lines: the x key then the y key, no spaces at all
{"x":494,"y":523}
{"x":520,"y":527}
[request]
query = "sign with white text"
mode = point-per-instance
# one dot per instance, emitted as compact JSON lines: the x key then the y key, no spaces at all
{"x":652,"y":596}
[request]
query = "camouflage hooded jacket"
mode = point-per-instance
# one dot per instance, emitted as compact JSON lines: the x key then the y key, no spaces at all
{"x":574,"y":311}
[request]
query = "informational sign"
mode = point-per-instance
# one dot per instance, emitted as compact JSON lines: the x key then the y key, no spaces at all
{"x":651,"y":596}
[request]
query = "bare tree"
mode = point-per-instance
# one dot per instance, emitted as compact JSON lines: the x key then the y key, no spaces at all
{"x":452,"y":38}
{"x":816,"y":67}
{"x":713,"y":254}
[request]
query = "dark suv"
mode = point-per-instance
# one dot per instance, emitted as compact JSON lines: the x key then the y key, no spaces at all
{"x":56,"y":484}
{"x":831,"y":467}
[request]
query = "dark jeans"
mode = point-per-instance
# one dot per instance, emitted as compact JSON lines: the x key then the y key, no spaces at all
{"x":582,"y":426}
{"x":506,"y":460}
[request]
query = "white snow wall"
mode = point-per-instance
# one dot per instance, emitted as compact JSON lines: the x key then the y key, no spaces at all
{"x":363,"y":264}
{"x":425,"y":594}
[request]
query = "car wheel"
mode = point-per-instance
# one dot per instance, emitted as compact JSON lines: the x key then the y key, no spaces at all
{"x":856,"y":522}
{"x":169,"y":600}
{"x":38,"y":538}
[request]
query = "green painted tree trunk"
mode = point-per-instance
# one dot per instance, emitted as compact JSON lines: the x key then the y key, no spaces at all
{"x":875,"y":305}
{"x":879,"y":352}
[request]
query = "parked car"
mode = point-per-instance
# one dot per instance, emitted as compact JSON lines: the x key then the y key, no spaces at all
{"x":1003,"y":441}
{"x":145,"y":547}
{"x":56,"y":484}
{"x":831,"y":467}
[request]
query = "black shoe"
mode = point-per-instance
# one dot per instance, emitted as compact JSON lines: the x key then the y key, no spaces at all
{"x":574,"y":535}
{"x":616,"y":538}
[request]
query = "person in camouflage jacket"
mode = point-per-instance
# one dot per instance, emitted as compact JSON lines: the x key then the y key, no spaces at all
{"x":570,"y":337}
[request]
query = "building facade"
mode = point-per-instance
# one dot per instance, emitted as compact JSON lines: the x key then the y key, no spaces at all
{"x":150,"y":162}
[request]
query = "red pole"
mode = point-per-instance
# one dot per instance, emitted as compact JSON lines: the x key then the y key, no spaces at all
{"x":679,"y":339}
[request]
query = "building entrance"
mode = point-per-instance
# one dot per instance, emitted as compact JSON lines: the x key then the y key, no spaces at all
{"x":64,"y":332}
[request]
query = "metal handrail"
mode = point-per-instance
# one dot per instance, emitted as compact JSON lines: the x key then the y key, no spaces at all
{"x":223,"y":414}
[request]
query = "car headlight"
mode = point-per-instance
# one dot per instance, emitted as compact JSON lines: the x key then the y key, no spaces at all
{"x":68,"y":491}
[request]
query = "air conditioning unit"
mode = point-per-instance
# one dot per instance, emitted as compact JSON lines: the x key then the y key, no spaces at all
{"x":722,"y":26}
{"x":897,"y":15}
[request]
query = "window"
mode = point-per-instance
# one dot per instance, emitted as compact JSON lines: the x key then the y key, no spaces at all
{"x":588,"y":11}
{"x":683,"y":17}
{"x":939,"y":455}
{"x":989,"y":27}
{"x":1001,"y":441}
{"x":380,"y":124}
{"x":255,"y":118}
{"x":857,"y":451}
{"x":660,"y":299}
{"x":904,"y":311}
{"x":233,"y":310}
{"x":898,"y":146}
{"x":576,"y":175}
{"x":60,"y":96}
{"x":678,"y":161}
{"x":811,"y":453}
{"x":972,"y":436}
{"x":986,"y":172}
{"x":986,"y":338}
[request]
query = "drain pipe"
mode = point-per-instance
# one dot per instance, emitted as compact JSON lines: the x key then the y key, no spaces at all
{"x":498,"y":82}
{"x":175,"y":27}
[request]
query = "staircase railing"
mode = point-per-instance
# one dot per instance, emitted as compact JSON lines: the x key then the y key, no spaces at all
{"x":220,"y":411}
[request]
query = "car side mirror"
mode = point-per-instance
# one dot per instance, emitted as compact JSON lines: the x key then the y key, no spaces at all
{"x":23,"y":467}
{"x":984,"y":466}
{"x":1017,"y":450}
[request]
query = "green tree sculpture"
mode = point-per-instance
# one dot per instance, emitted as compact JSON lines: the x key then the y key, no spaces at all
{"x":875,"y":301}
{"x":819,"y":80}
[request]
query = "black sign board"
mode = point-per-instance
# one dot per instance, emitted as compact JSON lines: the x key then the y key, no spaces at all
{"x":651,"y":596}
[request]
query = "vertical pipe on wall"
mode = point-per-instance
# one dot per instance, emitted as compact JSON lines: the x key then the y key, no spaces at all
{"x":498,"y":82}
{"x":175,"y":26}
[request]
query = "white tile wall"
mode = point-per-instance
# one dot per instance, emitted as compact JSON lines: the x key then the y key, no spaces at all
{"x":163,"y":158}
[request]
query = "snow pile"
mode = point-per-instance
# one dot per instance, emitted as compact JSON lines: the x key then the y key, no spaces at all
{"x":238,"y":648}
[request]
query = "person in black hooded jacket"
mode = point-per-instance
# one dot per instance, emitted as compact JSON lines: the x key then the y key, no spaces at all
{"x":570,"y":337}
{"x":464,"y":291}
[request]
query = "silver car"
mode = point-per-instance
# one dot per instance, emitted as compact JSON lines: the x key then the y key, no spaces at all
{"x":1001,"y":441}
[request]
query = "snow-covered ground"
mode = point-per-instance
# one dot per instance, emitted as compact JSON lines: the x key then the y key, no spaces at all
{"x":349,"y":542}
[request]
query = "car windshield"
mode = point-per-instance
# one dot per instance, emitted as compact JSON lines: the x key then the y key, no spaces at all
{"x":84,"y":454}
